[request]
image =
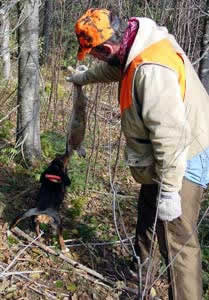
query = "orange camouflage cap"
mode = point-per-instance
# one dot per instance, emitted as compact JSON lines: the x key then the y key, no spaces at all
{"x":92,"y":29}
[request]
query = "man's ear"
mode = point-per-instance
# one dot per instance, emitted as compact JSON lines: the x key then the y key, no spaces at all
{"x":108,"y":49}
{"x":111,"y":48}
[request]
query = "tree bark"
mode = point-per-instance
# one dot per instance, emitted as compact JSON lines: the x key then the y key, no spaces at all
{"x":47,"y":30}
{"x":28,"y":119}
{"x":4,"y":43}
{"x":204,"y":63}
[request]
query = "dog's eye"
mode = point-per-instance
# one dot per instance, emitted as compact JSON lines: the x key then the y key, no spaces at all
{"x":56,"y":168}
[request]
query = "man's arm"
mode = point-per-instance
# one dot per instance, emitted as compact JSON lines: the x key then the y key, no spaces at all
{"x":101,"y":72}
{"x":164,"y":116}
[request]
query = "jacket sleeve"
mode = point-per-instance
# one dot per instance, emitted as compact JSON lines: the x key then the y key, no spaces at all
{"x":101,"y":72}
{"x":164,"y":116}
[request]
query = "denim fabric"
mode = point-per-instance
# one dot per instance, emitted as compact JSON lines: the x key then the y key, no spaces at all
{"x":197,"y":169}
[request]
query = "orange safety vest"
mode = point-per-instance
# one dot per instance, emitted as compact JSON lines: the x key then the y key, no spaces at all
{"x":160,"y":53}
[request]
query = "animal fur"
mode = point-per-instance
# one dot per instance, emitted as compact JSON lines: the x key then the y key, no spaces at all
{"x":77,"y":123}
{"x":50,"y":197}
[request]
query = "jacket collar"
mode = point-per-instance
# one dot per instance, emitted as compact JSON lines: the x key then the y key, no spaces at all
{"x":148,"y":33}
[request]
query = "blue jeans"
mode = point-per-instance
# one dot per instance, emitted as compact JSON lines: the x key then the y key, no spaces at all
{"x":197,"y":169}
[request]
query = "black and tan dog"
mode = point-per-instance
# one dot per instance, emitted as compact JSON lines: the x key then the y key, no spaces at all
{"x":51,"y":194}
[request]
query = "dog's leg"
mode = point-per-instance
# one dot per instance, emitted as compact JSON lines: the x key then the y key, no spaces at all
{"x":37,"y":227}
{"x":58,"y":225}
{"x":61,"y":240}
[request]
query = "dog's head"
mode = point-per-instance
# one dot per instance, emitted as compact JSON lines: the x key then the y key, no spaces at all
{"x":56,"y":172}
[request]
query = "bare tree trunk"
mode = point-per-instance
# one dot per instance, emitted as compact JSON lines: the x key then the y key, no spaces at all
{"x":28,"y":120}
{"x":47,"y":29}
{"x":4,"y":43}
{"x":204,"y":64}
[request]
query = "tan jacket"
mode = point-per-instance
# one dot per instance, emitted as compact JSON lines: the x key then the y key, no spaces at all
{"x":177,"y":130}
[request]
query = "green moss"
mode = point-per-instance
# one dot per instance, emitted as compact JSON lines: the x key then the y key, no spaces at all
{"x":59,"y":284}
{"x":12,"y":241}
{"x":71,"y":287}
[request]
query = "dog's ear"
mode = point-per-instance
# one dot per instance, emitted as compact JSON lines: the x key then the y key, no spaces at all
{"x":66,"y":180}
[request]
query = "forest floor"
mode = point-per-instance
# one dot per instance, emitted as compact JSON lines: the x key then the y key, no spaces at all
{"x":36,"y":273}
{"x":95,"y":220}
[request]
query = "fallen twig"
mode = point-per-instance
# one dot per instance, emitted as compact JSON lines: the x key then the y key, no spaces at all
{"x":22,"y":234}
{"x":19,"y":273}
{"x":21,"y":277}
{"x":98,"y":244}
{"x":44,"y":293}
{"x":18,"y":255}
{"x":110,"y":194}
{"x":75,"y":264}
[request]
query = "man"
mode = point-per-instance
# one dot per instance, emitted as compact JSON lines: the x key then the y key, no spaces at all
{"x":164,"y":117}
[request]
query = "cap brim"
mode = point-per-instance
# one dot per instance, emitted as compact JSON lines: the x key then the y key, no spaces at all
{"x":82,"y":53}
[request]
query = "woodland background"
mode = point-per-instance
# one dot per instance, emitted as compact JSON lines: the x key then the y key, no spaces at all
{"x":37,"y":44}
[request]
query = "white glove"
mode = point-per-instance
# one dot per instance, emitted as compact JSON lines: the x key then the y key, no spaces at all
{"x":78,"y":76}
{"x":169,"y":206}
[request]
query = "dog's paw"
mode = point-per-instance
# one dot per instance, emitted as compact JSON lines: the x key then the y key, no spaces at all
{"x":9,"y":233}
{"x":66,"y":250}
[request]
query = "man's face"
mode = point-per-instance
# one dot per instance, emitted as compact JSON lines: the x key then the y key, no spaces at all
{"x":107,"y":53}
{"x":100,"y":52}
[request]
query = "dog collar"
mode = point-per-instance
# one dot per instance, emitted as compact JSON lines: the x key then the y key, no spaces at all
{"x":53,"y":178}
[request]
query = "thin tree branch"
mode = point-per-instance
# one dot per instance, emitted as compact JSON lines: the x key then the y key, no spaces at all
{"x":9,"y":113}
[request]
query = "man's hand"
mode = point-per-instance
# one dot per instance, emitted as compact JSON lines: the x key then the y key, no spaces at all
{"x":77,"y":76}
{"x":169,"y":206}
